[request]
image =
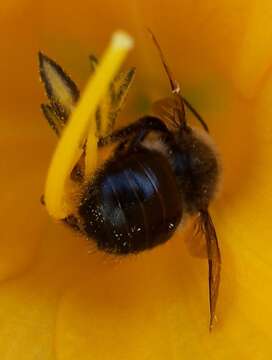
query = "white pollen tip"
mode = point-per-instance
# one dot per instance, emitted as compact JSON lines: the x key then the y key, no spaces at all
{"x":122,"y":40}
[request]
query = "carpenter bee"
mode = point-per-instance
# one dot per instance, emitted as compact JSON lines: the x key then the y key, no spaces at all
{"x":160,"y":171}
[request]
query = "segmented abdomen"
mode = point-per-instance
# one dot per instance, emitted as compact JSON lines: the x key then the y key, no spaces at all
{"x":133,"y":204}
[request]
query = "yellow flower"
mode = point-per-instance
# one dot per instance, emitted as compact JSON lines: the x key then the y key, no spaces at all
{"x":59,"y":301}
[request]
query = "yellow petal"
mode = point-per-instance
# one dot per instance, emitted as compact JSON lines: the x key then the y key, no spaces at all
{"x":255,"y":55}
{"x":30,"y":303}
{"x":21,"y":189}
{"x":74,"y":306}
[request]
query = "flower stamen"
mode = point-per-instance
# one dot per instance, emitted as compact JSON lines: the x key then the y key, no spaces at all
{"x":81,"y":125}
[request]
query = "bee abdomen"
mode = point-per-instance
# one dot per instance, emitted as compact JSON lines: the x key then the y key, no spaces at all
{"x":133,"y":204}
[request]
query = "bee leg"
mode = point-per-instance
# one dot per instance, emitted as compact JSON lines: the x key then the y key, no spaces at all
{"x":72,"y":222}
{"x":146,"y":123}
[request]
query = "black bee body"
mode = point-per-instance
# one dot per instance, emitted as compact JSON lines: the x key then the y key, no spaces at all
{"x":157,"y":175}
{"x":128,"y":207}
{"x":137,"y":200}
{"x":196,"y":168}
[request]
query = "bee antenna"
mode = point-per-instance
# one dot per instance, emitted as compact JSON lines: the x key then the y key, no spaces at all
{"x":173,"y":83}
{"x":175,"y":87}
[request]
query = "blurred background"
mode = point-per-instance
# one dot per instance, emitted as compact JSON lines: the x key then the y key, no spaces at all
{"x":59,"y":301}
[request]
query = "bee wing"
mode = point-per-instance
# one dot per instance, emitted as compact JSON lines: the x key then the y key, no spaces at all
{"x":114,"y":99}
{"x":61,"y":91}
{"x":206,"y":227}
{"x":197,"y":244}
{"x":164,"y":107}
{"x":169,"y":109}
